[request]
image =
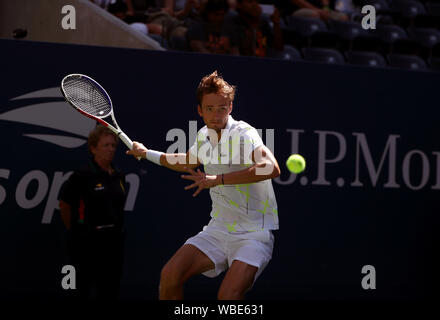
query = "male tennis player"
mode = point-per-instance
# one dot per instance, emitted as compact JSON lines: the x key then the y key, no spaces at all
{"x":238,"y":237}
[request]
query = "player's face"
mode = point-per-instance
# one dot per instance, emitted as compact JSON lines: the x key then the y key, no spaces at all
{"x":215,"y":110}
{"x":105,"y":149}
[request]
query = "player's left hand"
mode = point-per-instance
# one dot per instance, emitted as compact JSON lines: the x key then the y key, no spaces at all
{"x":201,"y":180}
{"x":138,"y":150}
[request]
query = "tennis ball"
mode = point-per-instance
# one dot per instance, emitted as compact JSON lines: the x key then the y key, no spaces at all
{"x":296,"y":163}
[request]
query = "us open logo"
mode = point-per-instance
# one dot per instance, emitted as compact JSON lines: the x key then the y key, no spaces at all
{"x":68,"y":130}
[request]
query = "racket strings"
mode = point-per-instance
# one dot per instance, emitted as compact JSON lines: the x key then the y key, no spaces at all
{"x":86,"y":96}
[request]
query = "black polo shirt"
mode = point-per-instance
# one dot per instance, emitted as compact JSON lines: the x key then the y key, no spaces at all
{"x":96,"y":197}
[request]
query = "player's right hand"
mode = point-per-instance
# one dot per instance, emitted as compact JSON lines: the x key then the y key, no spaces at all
{"x":138,"y":150}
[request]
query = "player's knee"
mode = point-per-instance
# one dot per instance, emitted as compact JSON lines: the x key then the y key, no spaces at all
{"x":231,"y":293}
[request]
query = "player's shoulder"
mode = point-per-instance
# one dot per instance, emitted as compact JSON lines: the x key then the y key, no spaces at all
{"x":243,"y":127}
{"x":202,"y":133}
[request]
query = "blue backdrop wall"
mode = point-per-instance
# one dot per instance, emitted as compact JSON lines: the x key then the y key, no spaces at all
{"x":369,"y":195}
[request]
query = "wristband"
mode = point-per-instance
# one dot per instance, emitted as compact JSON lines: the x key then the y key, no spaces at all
{"x":154,"y":156}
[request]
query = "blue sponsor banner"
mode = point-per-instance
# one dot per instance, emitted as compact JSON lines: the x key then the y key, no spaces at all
{"x":367,"y":201}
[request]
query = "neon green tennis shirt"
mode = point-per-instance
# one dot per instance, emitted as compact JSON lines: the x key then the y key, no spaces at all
{"x":242,"y":207}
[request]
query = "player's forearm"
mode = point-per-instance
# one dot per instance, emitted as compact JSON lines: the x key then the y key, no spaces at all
{"x":176,"y":161}
{"x":258,"y":172}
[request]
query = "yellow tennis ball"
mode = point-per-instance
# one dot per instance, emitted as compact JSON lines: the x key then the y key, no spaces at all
{"x":296,"y":163}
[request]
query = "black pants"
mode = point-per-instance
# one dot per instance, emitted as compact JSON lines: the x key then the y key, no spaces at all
{"x":98,"y":258}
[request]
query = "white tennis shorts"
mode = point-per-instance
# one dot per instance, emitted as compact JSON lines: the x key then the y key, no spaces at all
{"x":222,"y":247}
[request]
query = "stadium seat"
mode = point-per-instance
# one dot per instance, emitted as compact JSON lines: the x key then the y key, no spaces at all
{"x":406,"y":62}
{"x":395,"y":40}
{"x":300,"y":30}
{"x":408,"y":8}
{"x":289,"y":53}
{"x":436,"y":50}
{"x":427,"y":21}
{"x":407,"y":11}
{"x":425,"y":36}
{"x":305,"y":26}
{"x":434,"y":63}
{"x":365,"y":58}
{"x":347,"y":30}
{"x":323,"y":55}
{"x":384,"y":13}
{"x":325,"y":39}
{"x":390,"y":33}
{"x":369,"y":42}
{"x":380,"y":5}
{"x":433,"y":8}
{"x":408,"y":46}
{"x":385,"y":18}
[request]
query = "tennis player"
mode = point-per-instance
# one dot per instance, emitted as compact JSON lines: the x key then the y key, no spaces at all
{"x":238,"y":169}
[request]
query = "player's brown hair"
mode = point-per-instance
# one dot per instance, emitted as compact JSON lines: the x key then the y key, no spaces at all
{"x":97,"y":133}
{"x":214,"y":83}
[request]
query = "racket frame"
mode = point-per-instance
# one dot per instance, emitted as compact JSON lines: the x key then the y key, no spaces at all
{"x":125,"y":139}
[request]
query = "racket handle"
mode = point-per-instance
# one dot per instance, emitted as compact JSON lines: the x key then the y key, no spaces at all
{"x":127,"y":141}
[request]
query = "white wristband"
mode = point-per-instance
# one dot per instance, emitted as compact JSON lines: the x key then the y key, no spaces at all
{"x":154,"y":156}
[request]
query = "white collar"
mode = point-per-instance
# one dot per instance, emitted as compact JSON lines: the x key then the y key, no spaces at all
{"x":228,"y":126}
{"x":229,"y":123}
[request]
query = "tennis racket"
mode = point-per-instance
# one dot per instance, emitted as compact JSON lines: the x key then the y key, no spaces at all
{"x":89,"y":98}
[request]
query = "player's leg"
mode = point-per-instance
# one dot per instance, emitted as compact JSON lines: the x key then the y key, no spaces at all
{"x":185,"y":263}
{"x":247,"y":259}
{"x":237,"y":281}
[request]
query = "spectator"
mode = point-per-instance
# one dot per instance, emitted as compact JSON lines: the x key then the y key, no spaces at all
{"x":92,"y":209}
{"x":254,"y":34}
{"x":105,"y":4}
{"x":182,"y":9}
{"x":346,"y":6}
{"x":212,"y":34}
{"x":120,"y":9}
{"x":319,"y":9}
{"x":175,"y":16}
